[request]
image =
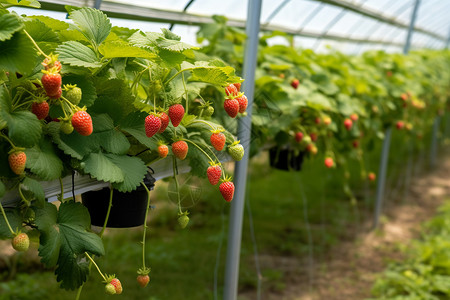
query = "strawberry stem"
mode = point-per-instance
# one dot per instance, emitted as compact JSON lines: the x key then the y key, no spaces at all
{"x":36,"y":45}
{"x":198,"y":147}
{"x":6,"y":219}
{"x":174,"y":163}
{"x":93,"y":262}
{"x":204,"y":122}
{"x":107,"y":212}
{"x":185,"y":93}
{"x":145,"y":225}
{"x":6,"y":138}
{"x":61,"y":198}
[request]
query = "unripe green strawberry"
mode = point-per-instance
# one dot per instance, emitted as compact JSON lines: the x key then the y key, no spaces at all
{"x":183,"y":219}
{"x":66,"y":127}
{"x":208,"y":112}
{"x":180,"y":149}
{"x":21,"y":242}
{"x":143,"y":280}
{"x":74,"y":95}
{"x":17,"y":160}
{"x":236,"y":151}
{"x":110,"y":289}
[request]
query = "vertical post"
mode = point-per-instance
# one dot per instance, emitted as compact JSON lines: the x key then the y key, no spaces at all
{"x":434,"y":138}
{"x":387,"y":138}
{"x":244,"y":134}
{"x":97,"y":4}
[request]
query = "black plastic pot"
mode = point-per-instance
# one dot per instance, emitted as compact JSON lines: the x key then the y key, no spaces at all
{"x":128,"y":209}
{"x":286,"y":159}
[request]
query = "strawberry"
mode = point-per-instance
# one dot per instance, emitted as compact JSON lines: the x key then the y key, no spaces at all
{"x":117,"y":285}
{"x":57,"y":95}
{"x":51,"y":81}
{"x":74,"y":94}
{"x":400,"y":125}
{"x":176,"y":113}
{"x":243,"y":102}
{"x":52,"y":62}
{"x":231,"y":107}
{"x":295,"y":83}
{"x":82,"y":123}
{"x":329,"y":163}
{"x":299,"y":137}
{"x":214,"y":172}
{"x":238,"y":86}
{"x":66,"y":127}
{"x":318,"y":120}
{"x":389,"y":73}
{"x":313,"y":136}
{"x":354,"y":117}
{"x":164,"y":122}
{"x":282,"y":76}
{"x":21,"y":242}
{"x":371,"y":176}
{"x":208,"y":112}
{"x":40,"y":109}
{"x":152,"y":125}
{"x":327,"y":120}
{"x":355,"y":144}
{"x":404,"y":96}
{"x":180,"y":149}
{"x":408,"y":126}
{"x":236,"y":151}
{"x":311,"y":148}
{"x":348,"y":124}
{"x":231,"y":90}
{"x":110,"y":289}
{"x":163,"y":150}
{"x":183,"y":219}
{"x":226,"y":188}
{"x":143,"y":280}
{"x":17,"y":160}
{"x":217,"y":139}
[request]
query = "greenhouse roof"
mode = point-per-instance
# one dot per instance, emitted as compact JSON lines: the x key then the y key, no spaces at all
{"x":349,"y":26}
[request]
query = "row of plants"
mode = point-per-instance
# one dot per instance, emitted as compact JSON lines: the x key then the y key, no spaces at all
{"x":425,"y":272}
{"x":91,"y":99}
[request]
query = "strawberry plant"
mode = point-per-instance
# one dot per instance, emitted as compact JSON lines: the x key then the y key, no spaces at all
{"x":104,"y":102}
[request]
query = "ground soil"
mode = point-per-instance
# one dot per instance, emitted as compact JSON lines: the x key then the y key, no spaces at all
{"x":350,"y":269}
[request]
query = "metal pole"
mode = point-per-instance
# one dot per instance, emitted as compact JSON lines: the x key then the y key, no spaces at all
{"x":387,"y":138}
{"x":434,"y":138}
{"x":244,"y":134}
{"x":97,"y":4}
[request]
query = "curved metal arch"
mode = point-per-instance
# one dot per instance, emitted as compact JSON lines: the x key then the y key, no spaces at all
{"x":184,"y":10}
{"x":310,"y":16}
{"x":276,"y":11}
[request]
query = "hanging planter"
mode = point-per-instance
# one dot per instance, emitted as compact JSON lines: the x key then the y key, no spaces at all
{"x":286,"y":159}
{"x":128,"y":209}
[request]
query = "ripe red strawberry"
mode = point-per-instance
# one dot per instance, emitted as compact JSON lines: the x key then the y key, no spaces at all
{"x":218,"y":139}
{"x":143,"y":280}
{"x":164,"y":122}
{"x":348,"y":124}
{"x":163,"y":150}
{"x":329,"y":163}
{"x":400,"y":125}
{"x":40,"y":109}
{"x":243,"y":102}
{"x":231,"y":107}
{"x":152,"y":125}
{"x":117,"y":285}
{"x":295,"y":83}
{"x":371,"y":176}
{"x":226,"y":188}
{"x":214,"y":172}
{"x":51,"y":82}
{"x":317,"y":120}
{"x":176,"y":114}
{"x":404,"y":96}
{"x":17,"y":160}
{"x":299,"y":137}
{"x":355,"y":144}
{"x":57,"y":95}
{"x":238,"y":86}
{"x":231,"y":90}
{"x":21,"y":242}
{"x":110,"y":289}
{"x":82,"y":123}
{"x":354,"y":117}
{"x":180,"y":149}
{"x":313,"y":136}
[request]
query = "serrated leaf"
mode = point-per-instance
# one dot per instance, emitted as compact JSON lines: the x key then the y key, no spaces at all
{"x":101,"y":167}
{"x":24,"y":129}
{"x":43,"y":161}
{"x":197,"y":160}
{"x":173,"y":45}
{"x":170,"y":35}
{"x":120,"y":48}
{"x":87,"y":87}
{"x":146,"y":40}
{"x":93,"y":23}
{"x":35,"y":188}
{"x":43,"y":35}
{"x":52,"y":23}
{"x":109,"y":137}
{"x":9,"y":24}
{"x":76,"y":54}
{"x":14,"y":219}
{"x":27,"y":3}
{"x":212,"y":75}
{"x":65,"y":237}
{"x":17,"y":54}
{"x":133,"y":169}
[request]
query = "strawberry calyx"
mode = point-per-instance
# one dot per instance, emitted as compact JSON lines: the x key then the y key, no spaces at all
{"x":234,"y":143}
{"x":226,"y":178}
{"x":143,"y":271}
{"x":15,"y":149}
{"x":109,"y":277}
{"x":217,"y":130}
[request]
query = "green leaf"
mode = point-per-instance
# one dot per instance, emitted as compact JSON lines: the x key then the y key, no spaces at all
{"x":2,"y":189}
{"x":24,"y":129}
{"x":134,"y":125}
{"x":34,"y":187}
{"x":27,"y":3}
{"x":17,"y":54}
{"x":120,"y":48}
{"x":77,"y":54}
{"x":100,"y":166}
{"x":172,"y":45}
{"x":43,"y":35}
{"x":65,"y":237}
{"x":94,"y":24}
{"x":108,"y":137}
{"x":43,"y":161}
{"x":9,"y":24}
{"x":211,"y":75}
{"x":87,"y":87}
{"x":54,"y":24}
{"x":14,"y":219}
{"x":133,"y":169}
